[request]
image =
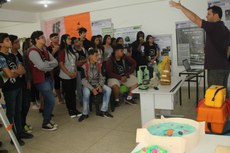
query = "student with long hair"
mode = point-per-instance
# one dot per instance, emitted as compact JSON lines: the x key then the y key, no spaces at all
{"x":107,"y":48}
{"x":95,"y":41}
{"x":68,"y":74}
{"x":152,"y":52}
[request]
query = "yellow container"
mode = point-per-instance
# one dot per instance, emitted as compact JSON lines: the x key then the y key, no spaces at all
{"x":215,"y":96}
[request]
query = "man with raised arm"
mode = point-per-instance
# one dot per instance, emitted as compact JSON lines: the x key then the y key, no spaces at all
{"x":216,"y":45}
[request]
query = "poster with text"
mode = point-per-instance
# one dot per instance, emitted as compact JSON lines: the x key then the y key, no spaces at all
{"x":74,"y":22}
{"x":165,"y":44}
{"x":102,"y":27}
{"x":54,"y":26}
{"x":190,"y":43}
{"x":225,"y":5}
{"x":129,"y":34}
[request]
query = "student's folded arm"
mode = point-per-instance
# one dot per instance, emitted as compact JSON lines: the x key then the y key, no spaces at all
{"x":8,"y":73}
{"x":38,"y":62}
{"x":20,"y":70}
{"x":53,"y":62}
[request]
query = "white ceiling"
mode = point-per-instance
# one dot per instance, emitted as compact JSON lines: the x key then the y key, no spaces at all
{"x":38,"y":5}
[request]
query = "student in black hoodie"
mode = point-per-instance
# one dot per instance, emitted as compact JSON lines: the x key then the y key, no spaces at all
{"x":138,"y":52}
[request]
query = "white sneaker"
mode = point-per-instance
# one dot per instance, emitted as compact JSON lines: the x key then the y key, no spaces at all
{"x":49,"y":127}
{"x":34,"y":106}
{"x":53,"y":123}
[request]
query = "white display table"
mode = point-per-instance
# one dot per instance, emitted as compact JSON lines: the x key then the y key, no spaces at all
{"x":163,"y":98}
{"x":207,"y":144}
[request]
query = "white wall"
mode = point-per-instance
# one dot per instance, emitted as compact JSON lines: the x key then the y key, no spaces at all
{"x":20,"y":29}
{"x":155,"y":16}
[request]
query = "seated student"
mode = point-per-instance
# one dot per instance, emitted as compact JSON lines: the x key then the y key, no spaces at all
{"x":93,"y":81}
{"x":119,"y":68}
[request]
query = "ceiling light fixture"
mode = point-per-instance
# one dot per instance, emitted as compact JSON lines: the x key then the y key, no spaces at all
{"x":45,"y":3}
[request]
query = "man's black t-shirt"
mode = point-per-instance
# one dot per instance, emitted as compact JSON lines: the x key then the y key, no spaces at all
{"x":86,"y":44}
{"x":81,"y":55}
{"x":151,"y":51}
{"x":120,"y":67}
{"x":138,"y":56}
{"x":216,"y":45}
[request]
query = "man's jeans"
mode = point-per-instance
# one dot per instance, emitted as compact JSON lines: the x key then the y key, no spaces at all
{"x":86,"y":96}
{"x":46,"y":89}
{"x":13,"y":101}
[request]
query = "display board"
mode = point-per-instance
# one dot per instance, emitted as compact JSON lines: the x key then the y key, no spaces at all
{"x":190,"y":43}
{"x":165,"y":44}
{"x":54,"y":26}
{"x":68,"y":25}
{"x":102,"y":27}
{"x":129,"y":34}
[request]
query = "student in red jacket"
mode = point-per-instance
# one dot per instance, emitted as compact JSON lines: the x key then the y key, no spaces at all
{"x":119,"y":68}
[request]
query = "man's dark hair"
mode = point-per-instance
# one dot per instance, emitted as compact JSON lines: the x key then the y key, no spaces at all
{"x":92,"y":51}
{"x":81,"y":30}
{"x":13,"y":38}
{"x":53,"y":35}
{"x":35,"y":35}
{"x":117,"y":47}
{"x":3,"y":36}
{"x":73,"y":39}
{"x":216,"y":10}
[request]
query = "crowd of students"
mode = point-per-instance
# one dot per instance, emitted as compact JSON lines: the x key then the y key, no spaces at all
{"x":75,"y":67}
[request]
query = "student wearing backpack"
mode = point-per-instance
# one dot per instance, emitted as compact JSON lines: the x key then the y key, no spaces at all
{"x":12,"y":90}
{"x":93,"y":82}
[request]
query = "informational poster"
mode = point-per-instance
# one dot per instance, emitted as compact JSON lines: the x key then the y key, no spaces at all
{"x":74,"y":22}
{"x":225,"y":5}
{"x":102,"y":27}
{"x":190,"y":43}
{"x":165,"y":44}
{"x":54,"y":26}
{"x":129,"y":34}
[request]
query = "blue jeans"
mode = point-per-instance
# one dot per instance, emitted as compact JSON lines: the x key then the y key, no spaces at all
{"x":106,"y":98}
{"x":13,"y":101}
{"x":46,"y":89}
{"x":79,"y":86}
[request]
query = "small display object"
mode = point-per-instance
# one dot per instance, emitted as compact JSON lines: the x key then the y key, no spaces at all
{"x":143,"y":77}
{"x":176,"y":135}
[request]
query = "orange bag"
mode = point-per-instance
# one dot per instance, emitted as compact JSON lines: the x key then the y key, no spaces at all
{"x":215,"y":118}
